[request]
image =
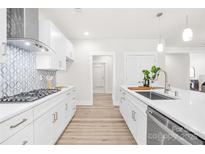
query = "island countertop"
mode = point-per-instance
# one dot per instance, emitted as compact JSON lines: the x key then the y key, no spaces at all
{"x":188,"y":109}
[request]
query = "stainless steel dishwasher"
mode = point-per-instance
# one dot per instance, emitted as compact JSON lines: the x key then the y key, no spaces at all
{"x":163,"y":131}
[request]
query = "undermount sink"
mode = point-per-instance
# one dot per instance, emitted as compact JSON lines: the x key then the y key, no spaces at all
{"x":154,"y":96}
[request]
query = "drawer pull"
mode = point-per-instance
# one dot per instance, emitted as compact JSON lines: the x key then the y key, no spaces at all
{"x":24,"y":142}
{"x":68,"y":94}
{"x":54,"y":118}
{"x":74,"y":98}
{"x":56,"y":113}
{"x":14,"y":126}
{"x":133,"y":115}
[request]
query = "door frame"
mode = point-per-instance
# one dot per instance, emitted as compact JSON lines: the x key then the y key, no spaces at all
{"x":104,"y":65}
{"x":104,"y":53}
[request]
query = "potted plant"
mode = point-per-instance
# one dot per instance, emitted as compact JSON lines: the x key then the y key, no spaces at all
{"x":154,"y":74}
{"x":146,"y":77}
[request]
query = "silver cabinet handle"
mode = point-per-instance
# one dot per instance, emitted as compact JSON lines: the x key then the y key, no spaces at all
{"x":133,"y":115}
{"x":24,"y":142}
{"x":14,"y":126}
{"x":74,"y":90}
{"x":4,"y":50}
{"x":56,"y":113}
{"x":68,"y":94}
{"x":54,"y":118}
{"x":74,"y":98}
{"x":66,"y":107}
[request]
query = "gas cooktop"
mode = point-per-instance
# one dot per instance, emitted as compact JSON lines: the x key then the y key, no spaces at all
{"x":28,"y":96}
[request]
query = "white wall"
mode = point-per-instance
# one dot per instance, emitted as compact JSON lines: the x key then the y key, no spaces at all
{"x":79,"y":73}
{"x":108,"y":70}
{"x":177,"y":67}
{"x":198,"y":62}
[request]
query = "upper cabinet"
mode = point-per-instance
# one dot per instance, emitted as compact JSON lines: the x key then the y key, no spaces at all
{"x":61,"y":47}
{"x":69,"y":49}
{"x":3,"y":35}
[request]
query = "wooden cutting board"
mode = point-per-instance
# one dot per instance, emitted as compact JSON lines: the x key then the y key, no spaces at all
{"x":143,"y":88}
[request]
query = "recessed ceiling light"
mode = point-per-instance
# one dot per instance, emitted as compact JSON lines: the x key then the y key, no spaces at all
{"x":27,"y":43}
{"x":86,"y":33}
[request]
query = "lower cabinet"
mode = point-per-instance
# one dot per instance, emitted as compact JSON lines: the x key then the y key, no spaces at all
{"x":134,"y":113}
{"x":137,"y":120}
{"x":41,"y":125}
{"x":49,"y":127}
{"x":44,"y":128}
{"x":23,"y":137}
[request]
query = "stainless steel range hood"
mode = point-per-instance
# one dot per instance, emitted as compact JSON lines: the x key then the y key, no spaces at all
{"x":22,"y":29}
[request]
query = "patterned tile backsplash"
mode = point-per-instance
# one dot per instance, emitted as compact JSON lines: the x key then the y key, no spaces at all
{"x":19,"y":73}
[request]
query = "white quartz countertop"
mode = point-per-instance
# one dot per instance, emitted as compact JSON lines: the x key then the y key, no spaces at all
{"x":9,"y":110}
{"x":188,"y":109}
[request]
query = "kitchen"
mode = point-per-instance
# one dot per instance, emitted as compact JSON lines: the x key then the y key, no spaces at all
{"x":74,"y":80}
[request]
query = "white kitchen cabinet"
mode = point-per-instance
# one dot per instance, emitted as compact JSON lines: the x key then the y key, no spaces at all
{"x":3,"y":35}
{"x":43,"y":128}
{"x":123,"y":105}
{"x":59,"y":124}
{"x":23,"y":137}
{"x":134,"y":113}
{"x":50,"y":125}
{"x":69,"y":47}
{"x":137,"y":119}
{"x":51,"y":36}
{"x":15,"y":124}
{"x":70,"y":105}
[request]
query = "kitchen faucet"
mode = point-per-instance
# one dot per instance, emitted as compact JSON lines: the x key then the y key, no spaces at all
{"x":166,"y":89}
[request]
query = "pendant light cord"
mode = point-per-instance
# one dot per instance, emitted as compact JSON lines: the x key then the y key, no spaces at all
{"x":187,"y":20}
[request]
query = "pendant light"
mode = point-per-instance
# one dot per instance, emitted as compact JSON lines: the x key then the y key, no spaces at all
{"x":160,"y":45}
{"x":187,"y":33}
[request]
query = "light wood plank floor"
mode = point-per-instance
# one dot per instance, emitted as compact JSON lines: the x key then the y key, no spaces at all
{"x":99,"y":124}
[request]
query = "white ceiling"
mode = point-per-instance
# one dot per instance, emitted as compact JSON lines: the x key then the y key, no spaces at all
{"x":129,"y":23}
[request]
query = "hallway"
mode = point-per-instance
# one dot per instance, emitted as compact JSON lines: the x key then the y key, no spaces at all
{"x":100,"y":124}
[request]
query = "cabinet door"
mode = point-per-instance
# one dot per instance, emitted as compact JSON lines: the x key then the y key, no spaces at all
{"x":69,"y":49}
{"x":59,"y":124}
{"x":43,"y":129}
{"x":23,"y":137}
{"x":123,"y":105}
{"x":51,"y":36}
{"x":3,"y":35}
{"x":137,"y":120}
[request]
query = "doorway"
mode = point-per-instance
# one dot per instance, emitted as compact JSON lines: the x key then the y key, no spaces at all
{"x":102,"y":79}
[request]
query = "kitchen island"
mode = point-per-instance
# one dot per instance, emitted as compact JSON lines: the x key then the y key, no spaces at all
{"x":187,"y":110}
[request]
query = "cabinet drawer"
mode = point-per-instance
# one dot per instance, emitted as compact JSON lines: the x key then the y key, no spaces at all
{"x":23,"y":137}
{"x":11,"y":126}
{"x":46,"y":106}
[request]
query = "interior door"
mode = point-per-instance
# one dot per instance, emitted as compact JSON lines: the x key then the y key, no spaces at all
{"x":99,"y":78}
{"x":134,"y":66}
